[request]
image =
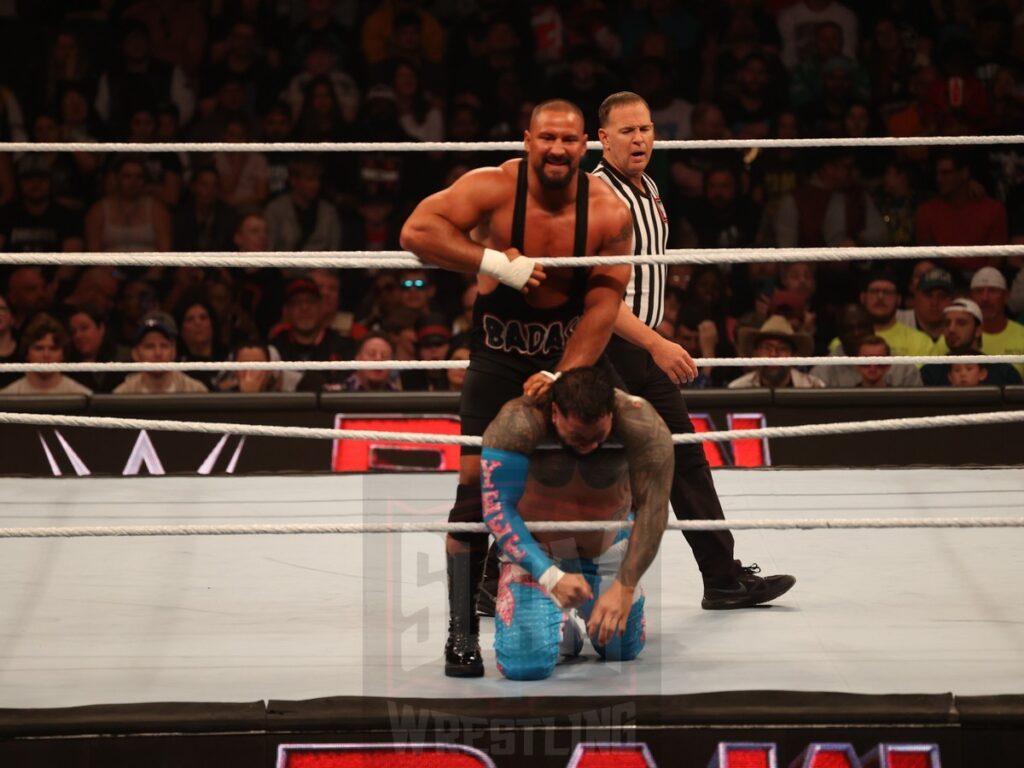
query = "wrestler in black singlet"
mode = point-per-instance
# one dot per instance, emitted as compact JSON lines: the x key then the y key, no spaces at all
{"x":512,"y":340}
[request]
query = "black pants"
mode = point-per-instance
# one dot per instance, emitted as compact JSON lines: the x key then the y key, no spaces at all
{"x":693,"y":492}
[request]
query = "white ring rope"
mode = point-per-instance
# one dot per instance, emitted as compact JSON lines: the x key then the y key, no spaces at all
{"x":804,"y":524}
{"x":439,"y":365}
{"x":406,"y":260}
{"x":321,"y":433}
{"x":492,"y":146}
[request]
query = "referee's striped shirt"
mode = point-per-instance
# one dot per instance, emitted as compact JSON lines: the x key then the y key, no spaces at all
{"x":645,"y":294}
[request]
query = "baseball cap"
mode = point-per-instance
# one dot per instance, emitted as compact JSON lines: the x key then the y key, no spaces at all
{"x":965,"y":305}
{"x":158,"y":321}
{"x":988,"y":277}
{"x":299,"y":286}
{"x":432,"y":329}
{"x":936,"y":278}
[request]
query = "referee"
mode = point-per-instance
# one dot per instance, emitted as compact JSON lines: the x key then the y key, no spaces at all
{"x":654,"y":367}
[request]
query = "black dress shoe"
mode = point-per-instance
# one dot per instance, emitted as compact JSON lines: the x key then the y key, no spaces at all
{"x":748,"y":591}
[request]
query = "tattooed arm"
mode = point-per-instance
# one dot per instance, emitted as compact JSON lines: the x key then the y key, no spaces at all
{"x":650,"y":454}
{"x":514,"y":434}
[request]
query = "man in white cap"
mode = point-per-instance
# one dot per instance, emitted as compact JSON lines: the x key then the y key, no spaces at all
{"x":1001,"y":336}
{"x":962,"y":335}
{"x":775,"y":338}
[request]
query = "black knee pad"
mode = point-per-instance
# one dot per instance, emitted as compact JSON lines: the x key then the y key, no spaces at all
{"x":468,"y":508}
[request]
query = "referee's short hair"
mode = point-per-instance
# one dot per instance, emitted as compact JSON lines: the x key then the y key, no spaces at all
{"x":619,"y":99}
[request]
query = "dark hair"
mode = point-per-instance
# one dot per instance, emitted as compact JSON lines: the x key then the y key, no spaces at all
{"x":619,"y":99}
{"x":91,"y":311}
{"x":586,"y":393}
{"x":39,"y":327}
{"x":873,"y":340}
{"x":253,"y":343}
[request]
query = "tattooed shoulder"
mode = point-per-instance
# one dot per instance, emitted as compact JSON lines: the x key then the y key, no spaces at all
{"x":636,"y":421}
{"x":519,"y":427}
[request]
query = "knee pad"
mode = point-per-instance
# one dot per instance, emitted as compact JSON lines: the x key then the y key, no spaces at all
{"x":527,"y":627}
{"x":468,"y":508}
{"x":627,"y":646}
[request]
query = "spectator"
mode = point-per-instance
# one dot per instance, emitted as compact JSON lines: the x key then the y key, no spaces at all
{"x":458,"y":351}
{"x":379,"y":39}
{"x":961,"y":213}
{"x":44,"y":340}
{"x":967,"y":375}
{"x":303,"y":336}
{"x":27,"y":294}
{"x":933,"y":294}
{"x":302,"y":220}
{"x":8,"y":341}
{"x":35,"y":222}
{"x":724,"y":217}
{"x":873,"y":375}
{"x":162,"y":171}
{"x":242,"y":55}
{"x":958,"y":103}
{"x":830,"y":209}
{"x":799,"y":22}
{"x":707,"y":122}
{"x":775,"y":338}
{"x":897,"y":202}
{"x":156,"y":341}
{"x":854,"y":324}
{"x":243,"y":175}
{"x":881,"y":297}
{"x":698,"y":335}
{"x":72,"y":175}
{"x":277,"y":126}
{"x":1001,"y":336}
{"x":585,"y":82}
{"x":320,"y":29}
{"x":418,"y":113}
{"x":377,"y":227}
{"x":400,"y":327}
{"x":137,"y":298}
{"x":328,"y":281}
{"x":374,"y":346}
{"x":127,"y":219}
{"x":381,"y":300}
{"x":321,"y":117}
{"x":203,"y":222}
{"x":230,"y":103}
{"x":463,"y":323}
{"x":415,"y":291}
{"x":199,"y":338}
{"x":253,"y":351}
{"x":962,"y":335}
{"x":751,"y":112}
{"x":321,"y":66}
{"x":90,"y":343}
{"x":433,"y":339}
{"x":260,"y":291}
{"x":822,"y":88}
{"x":177,"y":29}
{"x":137,"y":79}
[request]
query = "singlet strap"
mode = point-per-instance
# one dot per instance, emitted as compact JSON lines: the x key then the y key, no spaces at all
{"x":519,"y":211}
{"x":579,"y":245}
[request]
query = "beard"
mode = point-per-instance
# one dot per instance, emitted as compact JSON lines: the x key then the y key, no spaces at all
{"x":556,"y":182}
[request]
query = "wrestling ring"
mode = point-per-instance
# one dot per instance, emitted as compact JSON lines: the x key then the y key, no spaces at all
{"x":251,"y":611}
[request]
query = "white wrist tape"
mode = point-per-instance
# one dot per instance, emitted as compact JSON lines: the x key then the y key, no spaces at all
{"x":514,"y":273}
{"x":548,"y":579}
{"x":553,"y":376}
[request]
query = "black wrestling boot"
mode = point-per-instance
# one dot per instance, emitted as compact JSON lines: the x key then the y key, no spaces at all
{"x":487,"y":594}
{"x":462,"y":651}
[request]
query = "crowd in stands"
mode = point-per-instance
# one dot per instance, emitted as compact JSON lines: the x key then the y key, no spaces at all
{"x":407,"y":70}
